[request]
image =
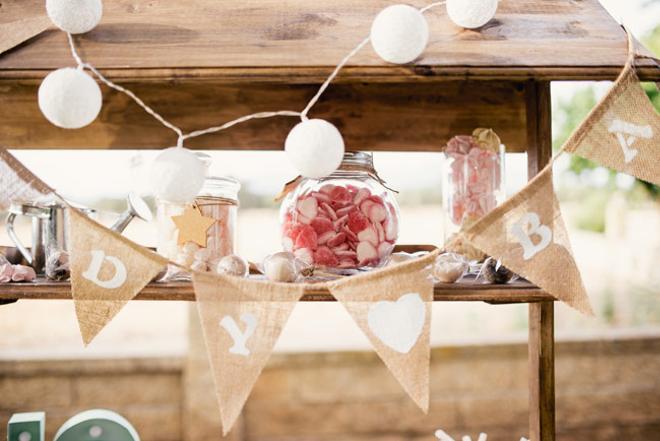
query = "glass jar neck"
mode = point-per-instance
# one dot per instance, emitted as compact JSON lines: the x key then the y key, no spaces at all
{"x":354,"y":165}
{"x":220,"y":187}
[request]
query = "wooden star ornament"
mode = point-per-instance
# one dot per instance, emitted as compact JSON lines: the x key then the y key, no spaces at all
{"x":192,"y":226}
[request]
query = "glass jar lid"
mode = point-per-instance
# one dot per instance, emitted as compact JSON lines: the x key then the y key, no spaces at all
{"x":220,"y":187}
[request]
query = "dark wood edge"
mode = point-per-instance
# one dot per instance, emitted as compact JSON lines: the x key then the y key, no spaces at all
{"x":516,"y":292}
{"x":646,"y":70}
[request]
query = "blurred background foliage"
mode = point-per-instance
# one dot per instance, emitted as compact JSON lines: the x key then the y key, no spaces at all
{"x":592,"y":184}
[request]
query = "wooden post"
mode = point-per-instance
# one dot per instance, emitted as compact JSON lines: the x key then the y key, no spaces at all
{"x":541,"y":314}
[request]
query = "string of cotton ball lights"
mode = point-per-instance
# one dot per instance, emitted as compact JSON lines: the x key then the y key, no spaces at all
{"x":70,"y":98}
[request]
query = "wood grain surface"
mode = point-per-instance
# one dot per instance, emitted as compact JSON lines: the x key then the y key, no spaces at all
{"x":301,"y":41}
{"x":374,"y":116}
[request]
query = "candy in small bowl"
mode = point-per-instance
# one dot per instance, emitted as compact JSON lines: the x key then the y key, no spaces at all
{"x":348,"y":220}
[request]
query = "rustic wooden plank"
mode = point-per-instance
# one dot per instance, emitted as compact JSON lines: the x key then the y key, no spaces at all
{"x":298,"y":40}
{"x":467,"y":290}
{"x":541,"y":372}
{"x":374,"y":117}
{"x":541,"y":315}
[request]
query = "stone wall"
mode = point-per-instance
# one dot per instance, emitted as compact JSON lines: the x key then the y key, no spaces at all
{"x":606,"y":390}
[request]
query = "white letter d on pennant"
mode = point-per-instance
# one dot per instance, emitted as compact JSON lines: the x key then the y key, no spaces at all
{"x":92,"y":273}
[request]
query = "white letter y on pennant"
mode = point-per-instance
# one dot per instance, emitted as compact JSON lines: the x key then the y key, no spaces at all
{"x":240,"y":338}
{"x":92,"y":273}
{"x":528,"y":225}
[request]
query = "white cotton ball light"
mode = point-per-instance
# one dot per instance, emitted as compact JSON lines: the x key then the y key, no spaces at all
{"x":315,"y":148}
{"x":75,"y":16}
{"x":471,"y":14}
{"x":177,"y":175}
{"x":69,"y":98}
{"x":399,"y":34}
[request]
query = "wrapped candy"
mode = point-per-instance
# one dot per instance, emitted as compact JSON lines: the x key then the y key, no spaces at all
{"x":57,"y":265}
{"x":449,"y":267}
{"x":494,"y":272}
{"x":23,"y":273}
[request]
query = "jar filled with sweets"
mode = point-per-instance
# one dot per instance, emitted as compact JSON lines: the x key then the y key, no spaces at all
{"x":218,"y":200}
{"x":345,"y":221}
{"x":474,"y":178}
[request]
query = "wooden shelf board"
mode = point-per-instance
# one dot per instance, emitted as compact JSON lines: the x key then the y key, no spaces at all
{"x":469,"y":290}
{"x":301,"y":41}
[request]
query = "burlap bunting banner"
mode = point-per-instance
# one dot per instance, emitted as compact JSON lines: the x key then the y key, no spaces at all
{"x":623,"y":130}
{"x":17,"y":183}
{"x":528,"y":235}
{"x":392,"y":306}
{"x":242,"y":320}
{"x":107,"y":270}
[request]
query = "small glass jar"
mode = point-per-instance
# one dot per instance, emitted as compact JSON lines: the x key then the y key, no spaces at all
{"x":474,"y":182}
{"x":345,"y":221}
{"x":218,"y":199}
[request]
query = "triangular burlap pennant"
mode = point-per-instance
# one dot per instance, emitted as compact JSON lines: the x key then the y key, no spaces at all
{"x":528,"y":235}
{"x":623,"y":130}
{"x":242,"y":320}
{"x":392,"y":306}
{"x":16,"y":32}
{"x":17,"y":183}
{"x":107,"y":270}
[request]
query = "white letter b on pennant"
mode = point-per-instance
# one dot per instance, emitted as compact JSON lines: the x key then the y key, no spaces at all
{"x":92,"y":273}
{"x":527,"y":226}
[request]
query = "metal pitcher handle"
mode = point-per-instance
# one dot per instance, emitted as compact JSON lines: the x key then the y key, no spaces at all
{"x":12,"y":235}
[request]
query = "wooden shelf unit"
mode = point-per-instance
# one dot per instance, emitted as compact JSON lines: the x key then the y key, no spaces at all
{"x":230,"y":58}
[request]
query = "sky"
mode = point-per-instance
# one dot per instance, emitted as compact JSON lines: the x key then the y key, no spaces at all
{"x":115,"y":173}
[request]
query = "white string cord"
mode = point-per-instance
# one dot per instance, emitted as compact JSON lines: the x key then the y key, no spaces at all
{"x":332,"y":76}
{"x":259,"y":115}
{"x":181,"y":136}
{"x":432,"y":5}
{"x":342,"y":63}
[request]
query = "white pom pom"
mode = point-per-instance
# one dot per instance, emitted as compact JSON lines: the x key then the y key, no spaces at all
{"x":69,"y":98}
{"x":177,"y":175}
{"x":471,"y":14}
{"x":75,"y":16}
{"x":315,"y":147}
{"x":399,"y":34}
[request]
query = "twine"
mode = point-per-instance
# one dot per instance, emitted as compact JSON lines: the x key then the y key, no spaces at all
{"x":181,"y":136}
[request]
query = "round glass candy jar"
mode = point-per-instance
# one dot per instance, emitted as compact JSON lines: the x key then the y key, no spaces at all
{"x":347,"y":220}
{"x":474,"y":180}
{"x":218,"y":199}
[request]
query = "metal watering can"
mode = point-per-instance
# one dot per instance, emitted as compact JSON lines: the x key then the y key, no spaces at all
{"x":50,"y":226}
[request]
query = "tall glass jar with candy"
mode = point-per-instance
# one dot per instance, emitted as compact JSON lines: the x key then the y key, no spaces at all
{"x":474,"y":182}
{"x":348,"y":220}
{"x":218,"y":200}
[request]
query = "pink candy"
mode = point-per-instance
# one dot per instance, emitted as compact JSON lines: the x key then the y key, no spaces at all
{"x":340,"y":227}
{"x":16,"y":273}
{"x":475,"y":177}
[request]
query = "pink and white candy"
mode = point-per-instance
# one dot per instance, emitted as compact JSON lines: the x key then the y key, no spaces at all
{"x":341,"y":227}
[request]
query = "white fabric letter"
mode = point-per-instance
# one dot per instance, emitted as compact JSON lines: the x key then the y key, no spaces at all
{"x":240,"y":338}
{"x":92,"y":273}
{"x":525,"y":228}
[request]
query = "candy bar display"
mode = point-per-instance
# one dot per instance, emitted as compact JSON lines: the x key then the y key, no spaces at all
{"x":218,"y":200}
{"x":345,"y":221}
{"x":475,"y":183}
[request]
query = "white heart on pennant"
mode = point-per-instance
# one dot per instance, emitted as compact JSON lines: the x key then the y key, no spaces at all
{"x":398,"y":324}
